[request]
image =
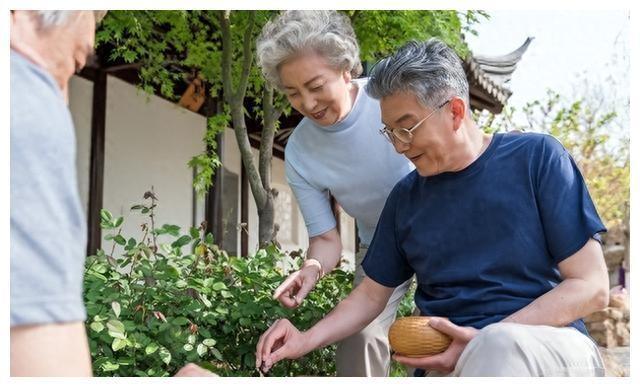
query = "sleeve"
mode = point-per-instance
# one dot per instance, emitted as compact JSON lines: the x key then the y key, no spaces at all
{"x":314,"y":203}
{"x":385,"y":262}
{"x":569,"y":217}
{"x":48,"y":229}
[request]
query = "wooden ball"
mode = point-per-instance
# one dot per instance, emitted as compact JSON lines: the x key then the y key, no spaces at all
{"x":413,"y":337}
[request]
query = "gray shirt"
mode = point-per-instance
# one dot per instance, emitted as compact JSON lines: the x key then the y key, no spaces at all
{"x":48,"y":227}
{"x":350,"y":160}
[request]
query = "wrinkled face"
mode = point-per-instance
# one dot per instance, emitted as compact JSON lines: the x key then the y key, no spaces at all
{"x":71,"y":44}
{"x":431,"y":139}
{"x":315,"y":89}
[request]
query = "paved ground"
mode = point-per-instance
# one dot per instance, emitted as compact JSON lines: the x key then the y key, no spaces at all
{"x":621,"y":356}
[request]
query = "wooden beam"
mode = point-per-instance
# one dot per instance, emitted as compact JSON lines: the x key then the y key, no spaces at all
{"x":96,"y":171}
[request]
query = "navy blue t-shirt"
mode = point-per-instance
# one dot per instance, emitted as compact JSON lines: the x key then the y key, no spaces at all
{"x":486,"y":241}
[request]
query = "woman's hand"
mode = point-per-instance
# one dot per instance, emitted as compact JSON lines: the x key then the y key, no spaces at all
{"x":296,"y":287}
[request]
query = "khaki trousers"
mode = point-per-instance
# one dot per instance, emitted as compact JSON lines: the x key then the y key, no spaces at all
{"x":509,"y":349}
{"x":367,"y":353}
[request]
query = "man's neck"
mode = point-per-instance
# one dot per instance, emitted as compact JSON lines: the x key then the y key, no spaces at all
{"x":474,"y":143}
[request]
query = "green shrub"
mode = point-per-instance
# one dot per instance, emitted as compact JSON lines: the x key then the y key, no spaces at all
{"x":154,"y":308}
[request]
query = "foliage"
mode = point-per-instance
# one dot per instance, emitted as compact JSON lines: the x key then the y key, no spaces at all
{"x":380,"y":33}
{"x":585,"y":129}
{"x":159,"y":306}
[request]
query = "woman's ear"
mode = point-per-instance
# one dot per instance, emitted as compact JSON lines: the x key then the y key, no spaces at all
{"x":346,"y":75}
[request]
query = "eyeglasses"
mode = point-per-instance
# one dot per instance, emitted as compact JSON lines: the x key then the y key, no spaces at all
{"x":404,"y":135}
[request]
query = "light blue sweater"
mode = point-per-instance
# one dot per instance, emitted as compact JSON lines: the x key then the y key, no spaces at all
{"x":350,"y":160}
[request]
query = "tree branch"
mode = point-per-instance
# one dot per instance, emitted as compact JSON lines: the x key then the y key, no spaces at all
{"x":247,"y":56}
{"x":268,"y":134}
{"x":227,"y":49}
{"x":235,"y":100}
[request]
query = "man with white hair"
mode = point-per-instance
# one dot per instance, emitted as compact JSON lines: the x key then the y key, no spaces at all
{"x":48,"y":230}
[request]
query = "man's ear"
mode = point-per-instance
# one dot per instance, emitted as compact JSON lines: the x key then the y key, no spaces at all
{"x":458,"y":111}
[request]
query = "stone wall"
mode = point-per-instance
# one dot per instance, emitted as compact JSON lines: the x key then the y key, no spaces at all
{"x":610,"y":326}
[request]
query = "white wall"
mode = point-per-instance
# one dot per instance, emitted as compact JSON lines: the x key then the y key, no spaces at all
{"x":231,"y":164}
{"x":148,"y":142}
{"x":80,"y":104}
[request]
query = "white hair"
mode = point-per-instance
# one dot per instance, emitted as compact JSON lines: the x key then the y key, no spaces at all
{"x":57,"y":18}
{"x":430,"y":70}
{"x":327,"y":33}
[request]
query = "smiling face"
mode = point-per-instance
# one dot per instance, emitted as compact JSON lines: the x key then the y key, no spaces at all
{"x":317,"y":90}
{"x":432,"y":140}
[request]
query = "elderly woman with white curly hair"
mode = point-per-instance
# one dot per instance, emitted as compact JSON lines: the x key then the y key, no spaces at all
{"x":313,"y":58}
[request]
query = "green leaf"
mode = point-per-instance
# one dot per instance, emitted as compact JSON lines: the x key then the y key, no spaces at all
{"x":182,"y":241}
{"x":116,"y":329}
{"x":209,"y":342}
{"x":116,"y":308}
{"x":119,"y":239}
{"x":191,"y":339}
{"x":165,"y":355}
{"x":118,"y":222}
{"x":97,"y":326}
{"x":216,"y":353}
{"x":180,"y":321}
{"x":109,"y":366}
{"x":137,"y":207}
{"x":105,"y":215}
{"x":194,"y":232}
{"x":218,"y":286}
{"x":205,"y":300}
{"x":151,"y":348}
{"x":201,"y":349}
{"x":187,"y":347}
{"x":118,"y":344}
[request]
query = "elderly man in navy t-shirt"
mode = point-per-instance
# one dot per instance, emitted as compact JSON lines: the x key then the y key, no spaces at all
{"x":499,"y":230}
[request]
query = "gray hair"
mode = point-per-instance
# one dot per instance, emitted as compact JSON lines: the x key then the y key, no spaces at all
{"x":430,"y":70}
{"x":57,"y":18}
{"x":327,"y":33}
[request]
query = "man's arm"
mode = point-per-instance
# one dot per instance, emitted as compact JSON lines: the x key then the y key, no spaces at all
{"x":584,"y":290}
{"x":50,"y":350}
{"x":283,"y":341}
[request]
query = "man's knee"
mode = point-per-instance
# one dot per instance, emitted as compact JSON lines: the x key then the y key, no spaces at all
{"x":500,"y":338}
{"x":497,"y":350}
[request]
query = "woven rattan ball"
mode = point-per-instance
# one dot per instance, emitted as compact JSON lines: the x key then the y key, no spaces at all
{"x":413,"y":337}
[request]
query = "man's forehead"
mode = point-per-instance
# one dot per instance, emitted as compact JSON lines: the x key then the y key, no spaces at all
{"x":398,"y":106}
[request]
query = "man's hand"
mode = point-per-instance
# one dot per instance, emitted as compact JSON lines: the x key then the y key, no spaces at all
{"x":446,"y":361}
{"x":296,"y":287}
{"x":194,"y":370}
{"x":281,"y":341}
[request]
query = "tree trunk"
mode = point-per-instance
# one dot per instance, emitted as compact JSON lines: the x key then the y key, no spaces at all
{"x":267,"y":230}
{"x":259,"y":178}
